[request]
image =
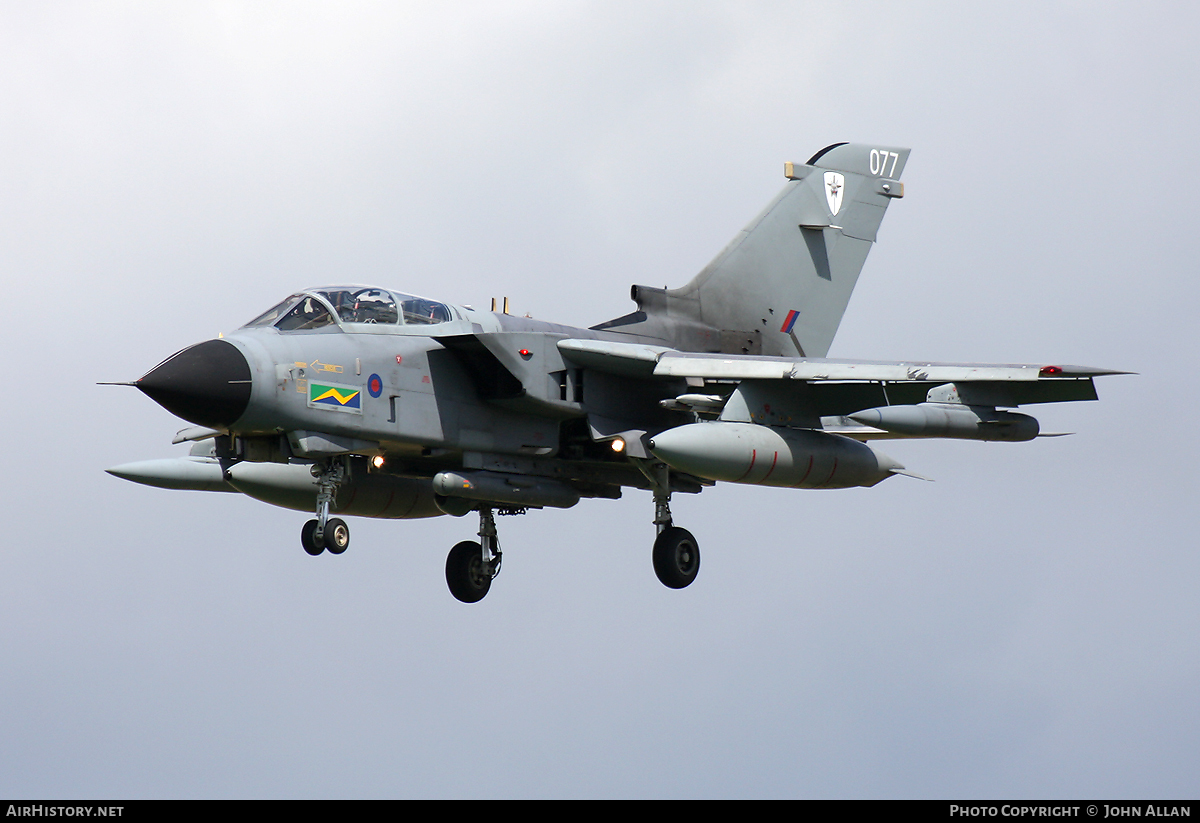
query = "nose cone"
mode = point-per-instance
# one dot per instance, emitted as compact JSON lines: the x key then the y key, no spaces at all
{"x":207,"y":384}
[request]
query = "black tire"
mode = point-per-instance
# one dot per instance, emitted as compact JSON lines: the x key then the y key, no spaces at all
{"x":337,"y":535}
{"x":308,"y":538}
{"x":676,"y":557}
{"x":465,"y":574}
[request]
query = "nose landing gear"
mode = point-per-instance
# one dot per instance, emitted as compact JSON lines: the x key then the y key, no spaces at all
{"x":325,"y":532}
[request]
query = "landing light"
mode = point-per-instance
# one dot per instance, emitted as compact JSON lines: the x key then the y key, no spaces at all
{"x":377,"y":461}
{"x":618,"y":445}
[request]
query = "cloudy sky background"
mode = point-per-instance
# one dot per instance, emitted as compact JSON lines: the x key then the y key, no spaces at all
{"x":1025,"y":626}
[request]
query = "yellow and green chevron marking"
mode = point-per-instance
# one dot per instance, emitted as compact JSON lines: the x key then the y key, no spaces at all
{"x":334,"y":396}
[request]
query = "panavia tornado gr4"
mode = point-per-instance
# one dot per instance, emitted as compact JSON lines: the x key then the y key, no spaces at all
{"x":359,"y":400}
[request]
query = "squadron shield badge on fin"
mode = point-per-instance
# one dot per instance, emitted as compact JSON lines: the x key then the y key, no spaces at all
{"x":835,"y":183}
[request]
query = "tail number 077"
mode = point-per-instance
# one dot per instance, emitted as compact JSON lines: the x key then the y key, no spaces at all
{"x":879,"y":161}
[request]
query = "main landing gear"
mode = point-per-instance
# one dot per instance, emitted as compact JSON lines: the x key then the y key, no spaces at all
{"x":471,"y":566}
{"x":326,"y":532}
{"x":676,"y":557}
{"x":676,"y":553}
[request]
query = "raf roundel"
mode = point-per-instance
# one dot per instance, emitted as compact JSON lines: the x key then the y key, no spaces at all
{"x":374,"y":385}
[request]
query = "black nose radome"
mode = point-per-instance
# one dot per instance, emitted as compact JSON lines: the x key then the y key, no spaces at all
{"x":207,"y":384}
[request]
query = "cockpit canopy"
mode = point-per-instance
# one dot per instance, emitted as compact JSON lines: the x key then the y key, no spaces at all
{"x":352,"y":304}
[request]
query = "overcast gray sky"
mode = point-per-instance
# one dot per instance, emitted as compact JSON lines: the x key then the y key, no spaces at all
{"x":1024,"y":626}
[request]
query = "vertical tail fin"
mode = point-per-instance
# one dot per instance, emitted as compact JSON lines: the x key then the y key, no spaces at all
{"x":782,"y":284}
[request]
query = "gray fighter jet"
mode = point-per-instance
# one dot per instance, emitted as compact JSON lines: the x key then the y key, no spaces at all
{"x":359,"y":400}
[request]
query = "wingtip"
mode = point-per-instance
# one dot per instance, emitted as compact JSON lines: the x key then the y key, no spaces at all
{"x":1080,"y":371}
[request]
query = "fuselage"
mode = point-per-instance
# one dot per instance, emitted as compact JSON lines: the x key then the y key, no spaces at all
{"x":413,"y":385}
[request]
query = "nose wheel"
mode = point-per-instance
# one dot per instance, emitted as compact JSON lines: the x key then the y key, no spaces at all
{"x":336,"y":537}
{"x":325,"y":532}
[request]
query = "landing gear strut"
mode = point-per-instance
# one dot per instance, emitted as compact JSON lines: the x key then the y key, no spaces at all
{"x":326,"y":532}
{"x":471,"y":566}
{"x":676,"y":553}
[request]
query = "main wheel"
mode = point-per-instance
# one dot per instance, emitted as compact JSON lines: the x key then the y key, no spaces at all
{"x":337,"y":535}
{"x":466,"y":576}
{"x":676,"y":557}
{"x":308,"y":537}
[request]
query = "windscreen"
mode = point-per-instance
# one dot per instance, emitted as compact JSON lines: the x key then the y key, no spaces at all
{"x":272,"y":314}
{"x":309,"y":313}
